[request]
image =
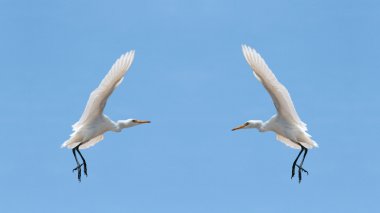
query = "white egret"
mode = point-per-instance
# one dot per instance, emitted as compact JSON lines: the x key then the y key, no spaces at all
{"x":93,"y":123}
{"x":286,"y":123}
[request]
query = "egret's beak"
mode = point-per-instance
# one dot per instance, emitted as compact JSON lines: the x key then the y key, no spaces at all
{"x":142,"y":122}
{"x":240,"y":127}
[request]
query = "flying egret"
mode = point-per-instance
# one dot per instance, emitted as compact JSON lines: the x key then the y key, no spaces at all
{"x":93,"y":124}
{"x":286,"y":123}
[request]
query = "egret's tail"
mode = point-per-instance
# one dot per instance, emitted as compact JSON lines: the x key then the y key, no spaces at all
{"x":310,"y":142}
{"x":65,"y":144}
{"x":305,"y":141}
{"x":72,"y":142}
{"x":315,"y":144}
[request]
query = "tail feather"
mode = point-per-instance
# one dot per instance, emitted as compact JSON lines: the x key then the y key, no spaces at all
{"x":91,"y":142}
{"x":75,"y":140}
{"x":72,"y":142}
{"x":315,"y":144}
{"x":307,"y":142}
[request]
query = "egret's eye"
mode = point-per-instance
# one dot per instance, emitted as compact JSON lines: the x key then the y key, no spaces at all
{"x":246,"y":124}
{"x":134,"y":121}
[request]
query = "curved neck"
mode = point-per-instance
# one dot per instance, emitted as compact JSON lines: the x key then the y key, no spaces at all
{"x":122,"y":124}
{"x":261,"y":126}
{"x":258,"y":124}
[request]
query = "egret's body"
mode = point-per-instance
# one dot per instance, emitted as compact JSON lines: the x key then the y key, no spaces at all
{"x":286,"y":123}
{"x":93,"y":124}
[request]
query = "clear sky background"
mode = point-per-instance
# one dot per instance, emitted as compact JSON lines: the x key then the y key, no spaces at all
{"x":190,"y":79}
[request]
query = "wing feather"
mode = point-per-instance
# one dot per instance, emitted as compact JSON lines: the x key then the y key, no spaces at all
{"x":92,"y":142}
{"x":280,"y":95}
{"x":98,"y":98}
{"x":288,"y":142}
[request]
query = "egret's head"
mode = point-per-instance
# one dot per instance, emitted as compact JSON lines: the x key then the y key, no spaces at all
{"x":130,"y":123}
{"x":249,"y":124}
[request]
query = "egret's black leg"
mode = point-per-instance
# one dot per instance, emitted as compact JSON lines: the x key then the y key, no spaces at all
{"x":78,"y":165}
{"x":295,"y":161}
{"x":300,"y":169}
{"x":84,"y":161}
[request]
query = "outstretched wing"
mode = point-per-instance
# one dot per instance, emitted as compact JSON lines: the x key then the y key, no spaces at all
{"x":99,"y":96}
{"x":277,"y":91}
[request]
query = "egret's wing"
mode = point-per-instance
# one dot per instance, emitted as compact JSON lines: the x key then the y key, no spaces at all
{"x":308,"y":143}
{"x":277,"y":91}
{"x":92,"y":142}
{"x":288,"y":142}
{"x":99,"y":96}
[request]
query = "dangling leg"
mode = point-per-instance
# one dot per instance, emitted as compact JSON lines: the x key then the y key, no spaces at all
{"x":295,"y":161}
{"x":78,"y":165}
{"x":300,"y":169}
{"x":84,"y":161}
{"x":304,"y":170}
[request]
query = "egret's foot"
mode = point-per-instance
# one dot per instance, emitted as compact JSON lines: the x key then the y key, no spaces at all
{"x":302,"y":169}
{"x":78,"y":167}
{"x":293,"y":171}
{"x":79,"y":173}
{"x":299,"y":175}
{"x":85,"y":169}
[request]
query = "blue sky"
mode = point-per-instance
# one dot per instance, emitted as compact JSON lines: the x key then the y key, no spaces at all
{"x":190,"y":79}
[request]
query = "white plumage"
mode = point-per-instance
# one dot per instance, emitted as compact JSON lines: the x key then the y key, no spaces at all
{"x":93,"y":123}
{"x":98,"y":98}
{"x":286,"y":123}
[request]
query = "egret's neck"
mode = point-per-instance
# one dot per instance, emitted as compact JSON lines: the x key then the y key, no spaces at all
{"x":258,"y":124}
{"x":262,"y":128}
{"x":122,"y":124}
